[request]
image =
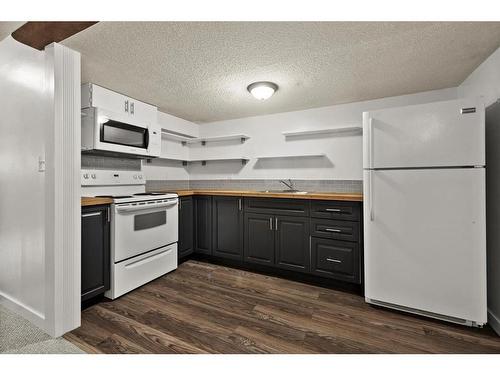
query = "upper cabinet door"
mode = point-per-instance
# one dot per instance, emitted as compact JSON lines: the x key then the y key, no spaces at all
{"x":107,"y":99}
{"x":439,"y":134}
{"x":97,"y":96}
{"x":143,"y":111}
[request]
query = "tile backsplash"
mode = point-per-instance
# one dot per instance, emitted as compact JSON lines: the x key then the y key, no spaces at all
{"x":114,"y":163}
{"x":106,"y":162}
{"x":340,"y":186}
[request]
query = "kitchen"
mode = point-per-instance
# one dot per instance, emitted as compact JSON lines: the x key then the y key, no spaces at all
{"x":245,"y":207}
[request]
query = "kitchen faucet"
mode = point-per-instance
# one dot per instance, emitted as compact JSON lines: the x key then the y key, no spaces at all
{"x":288,"y":184}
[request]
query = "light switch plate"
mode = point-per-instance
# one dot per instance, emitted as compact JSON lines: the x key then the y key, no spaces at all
{"x":41,"y":164}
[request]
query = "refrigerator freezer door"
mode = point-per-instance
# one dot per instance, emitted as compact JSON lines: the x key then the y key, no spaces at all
{"x":425,"y":241}
{"x":448,"y":133}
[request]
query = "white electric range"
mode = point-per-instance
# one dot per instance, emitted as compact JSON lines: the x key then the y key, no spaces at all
{"x":144,"y":227}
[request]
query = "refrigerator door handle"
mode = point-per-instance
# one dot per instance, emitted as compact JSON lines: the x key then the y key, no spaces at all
{"x":370,"y":195}
{"x":370,"y":142}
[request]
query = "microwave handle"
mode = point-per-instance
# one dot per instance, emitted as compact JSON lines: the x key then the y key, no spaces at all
{"x":147,"y":138}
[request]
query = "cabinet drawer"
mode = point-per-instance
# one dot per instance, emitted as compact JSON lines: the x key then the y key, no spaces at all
{"x":335,"y":259}
{"x":337,"y":210}
{"x":278,"y":206}
{"x":335,"y":229}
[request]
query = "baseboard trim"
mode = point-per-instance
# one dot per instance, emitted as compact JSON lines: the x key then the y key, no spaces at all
{"x":494,"y":322}
{"x":21,"y":309}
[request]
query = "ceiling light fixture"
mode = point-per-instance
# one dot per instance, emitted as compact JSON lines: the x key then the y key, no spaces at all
{"x":262,"y":90}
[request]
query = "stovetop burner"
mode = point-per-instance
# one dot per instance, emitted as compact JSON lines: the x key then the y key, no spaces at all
{"x":136,"y":194}
{"x":114,"y":196}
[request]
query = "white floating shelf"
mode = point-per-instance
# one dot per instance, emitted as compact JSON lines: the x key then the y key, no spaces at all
{"x":204,"y":161}
{"x":176,"y":137}
{"x":292,"y":156}
{"x":173,"y":158}
{"x":331,"y":131}
{"x":203,"y":140}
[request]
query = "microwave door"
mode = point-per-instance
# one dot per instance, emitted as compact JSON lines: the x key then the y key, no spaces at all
{"x":120,"y":134}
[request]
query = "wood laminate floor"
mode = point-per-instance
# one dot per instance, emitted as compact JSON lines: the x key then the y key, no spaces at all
{"x":206,"y":308}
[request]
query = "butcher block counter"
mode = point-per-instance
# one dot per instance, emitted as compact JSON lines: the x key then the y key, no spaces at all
{"x":92,"y":201}
{"x":352,"y":197}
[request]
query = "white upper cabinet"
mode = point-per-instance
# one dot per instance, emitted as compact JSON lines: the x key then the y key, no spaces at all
{"x":99,"y":97}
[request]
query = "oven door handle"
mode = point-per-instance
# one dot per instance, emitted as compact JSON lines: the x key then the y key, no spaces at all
{"x":130,"y":208}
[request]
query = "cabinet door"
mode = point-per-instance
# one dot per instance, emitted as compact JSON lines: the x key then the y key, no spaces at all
{"x":259,"y":238}
{"x":292,"y":243}
{"x":203,"y":225}
{"x":227,"y":238}
{"x":142,"y":111}
{"x":335,"y":259}
{"x":186,"y":225}
{"x":118,"y":103}
{"x":95,"y":257}
{"x":110,"y":100}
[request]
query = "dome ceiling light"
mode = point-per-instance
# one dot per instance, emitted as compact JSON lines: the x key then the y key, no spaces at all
{"x":262,"y":90}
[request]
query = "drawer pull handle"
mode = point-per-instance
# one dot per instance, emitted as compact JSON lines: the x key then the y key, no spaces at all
{"x":333,"y":210}
{"x":333,"y":260}
{"x":333,"y":230}
{"x":92,"y":214}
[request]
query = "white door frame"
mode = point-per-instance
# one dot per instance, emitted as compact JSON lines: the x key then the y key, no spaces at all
{"x":62,"y":191}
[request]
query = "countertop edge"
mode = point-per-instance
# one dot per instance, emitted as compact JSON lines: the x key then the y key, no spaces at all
{"x":92,"y":201}
{"x":352,"y":197}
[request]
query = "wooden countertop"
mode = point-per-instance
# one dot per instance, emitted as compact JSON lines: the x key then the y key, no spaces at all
{"x":354,"y":197}
{"x":91,"y":201}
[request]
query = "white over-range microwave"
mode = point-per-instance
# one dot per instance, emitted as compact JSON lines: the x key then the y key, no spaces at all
{"x":116,"y":124}
{"x":107,"y":132}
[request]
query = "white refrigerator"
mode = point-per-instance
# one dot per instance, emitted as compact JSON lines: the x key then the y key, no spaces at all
{"x":424,"y":210}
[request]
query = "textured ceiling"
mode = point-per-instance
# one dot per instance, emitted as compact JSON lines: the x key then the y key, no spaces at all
{"x":200,"y":70}
{"x":7,"y":27}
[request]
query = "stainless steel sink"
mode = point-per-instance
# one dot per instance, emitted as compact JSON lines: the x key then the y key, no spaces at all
{"x":284,"y":191}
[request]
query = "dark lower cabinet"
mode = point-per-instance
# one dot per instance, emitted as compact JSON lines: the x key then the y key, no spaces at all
{"x":259,"y":239}
{"x":185,"y":245}
{"x":292,"y":243}
{"x":95,"y":257}
{"x":227,"y":225}
{"x":203,"y":225}
{"x":321,"y":238}
{"x":335,"y":259}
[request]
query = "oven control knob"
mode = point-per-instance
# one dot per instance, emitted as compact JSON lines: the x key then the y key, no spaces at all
{"x":135,"y":177}
{"x":93,"y":176}
{"x":86,"y":175}
{"x":140,"y":177}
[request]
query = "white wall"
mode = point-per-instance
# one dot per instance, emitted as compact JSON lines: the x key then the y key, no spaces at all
{"x":22,"y":187}
{"x":484,"y":81}
{"x":40,"y":210}
{"x":343,"y":159}
{"x":166,"y":169}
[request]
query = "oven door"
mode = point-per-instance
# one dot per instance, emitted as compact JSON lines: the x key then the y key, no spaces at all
{"x":118,"y":133}
{"x":140,"y":227}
